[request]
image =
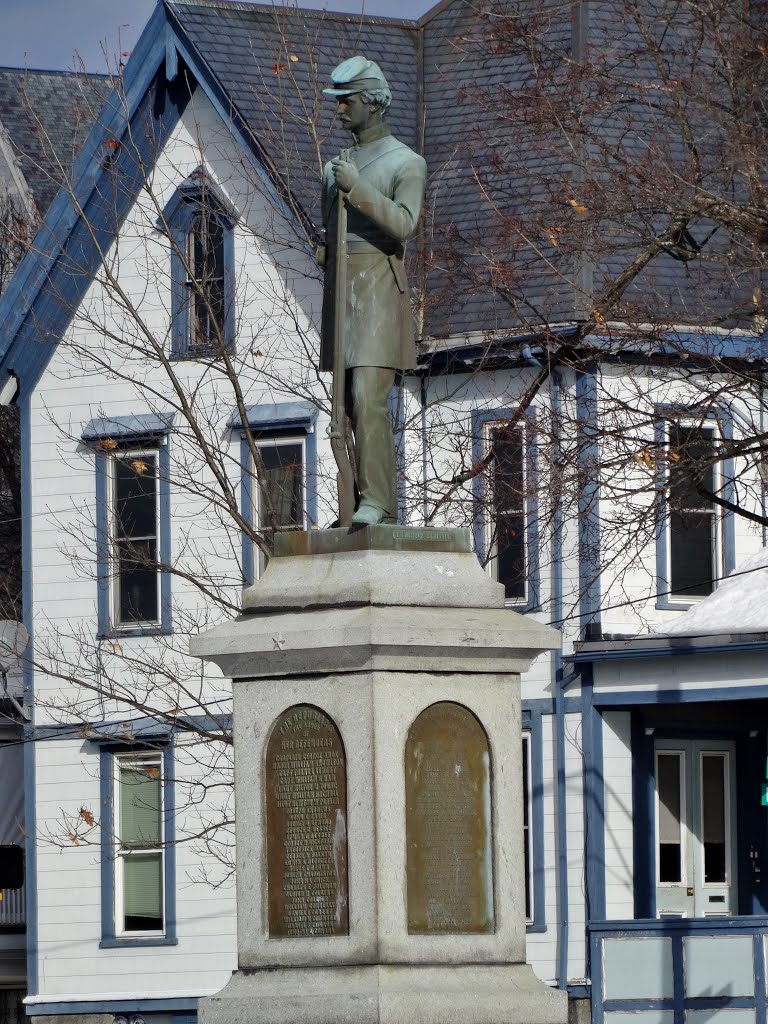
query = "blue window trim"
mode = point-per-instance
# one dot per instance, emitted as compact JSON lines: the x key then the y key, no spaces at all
{"x":665,"y":601}
{"x":176,"y":221}
{"x":531,"y":722}
{"x":275,"y":422}
{"x":159,"y":440}
{"x":109,"y":937}
{"x":480,"y":519}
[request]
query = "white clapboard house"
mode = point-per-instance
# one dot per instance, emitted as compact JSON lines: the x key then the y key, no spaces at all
{"x":44,"y":117}
{"x":159,"y":341}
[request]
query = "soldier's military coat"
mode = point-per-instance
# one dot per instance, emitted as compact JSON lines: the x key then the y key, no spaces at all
{"x":383,"y":211}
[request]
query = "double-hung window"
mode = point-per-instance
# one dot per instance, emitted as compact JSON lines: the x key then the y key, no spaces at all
{"x":695,"y":535}
{"x":138,"y":822}
{"x":139,"y":894}
{"x":506,"y":541}
{"x":693,"y":519}
{"x":134,"y":535}
{"x":692,"y":514}
{"x":505,"y":529}
{"x":205,"y":280}
{"x":280,"y":487}
{"x":133,"y":522}
{"x":279,"y":490}
{"x":200,"y":224}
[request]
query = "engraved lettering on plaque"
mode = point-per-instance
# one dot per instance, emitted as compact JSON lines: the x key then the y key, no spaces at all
{"x":306,"y":775}
{"x":448,"y":823}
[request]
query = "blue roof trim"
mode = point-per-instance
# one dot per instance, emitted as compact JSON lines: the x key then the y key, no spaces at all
{"x":54,"y":233}
{"x":137,"y":730}
{"x":664,"y":647}
{"x":147,"y":424}
{"x":277,"y":415}
{"x":33,"y":297}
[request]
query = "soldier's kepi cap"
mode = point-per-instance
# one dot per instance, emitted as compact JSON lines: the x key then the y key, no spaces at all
{"x":356,"y":75}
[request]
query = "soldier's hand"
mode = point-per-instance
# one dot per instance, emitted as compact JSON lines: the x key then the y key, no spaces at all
{"x":345,"y":172}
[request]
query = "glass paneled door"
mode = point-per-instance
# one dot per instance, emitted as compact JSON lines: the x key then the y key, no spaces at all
{"x":695,"y":828}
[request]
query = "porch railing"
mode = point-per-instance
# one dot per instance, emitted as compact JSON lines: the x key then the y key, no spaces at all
{"x":679,"y":970}
{"x":13,"y":910}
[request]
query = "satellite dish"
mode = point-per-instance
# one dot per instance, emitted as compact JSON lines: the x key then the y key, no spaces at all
{"x":13,"y":642}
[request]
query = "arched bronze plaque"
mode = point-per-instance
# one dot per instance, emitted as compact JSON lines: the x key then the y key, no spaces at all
{"x":306,"y":774}
{"x":448,"y":822}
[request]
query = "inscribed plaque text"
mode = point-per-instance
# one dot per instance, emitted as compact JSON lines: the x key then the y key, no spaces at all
{"x":306,"y":826}
{"x":448,"y":822}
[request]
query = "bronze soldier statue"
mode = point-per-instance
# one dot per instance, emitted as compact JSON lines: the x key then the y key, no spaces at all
{"x":380,"y":183}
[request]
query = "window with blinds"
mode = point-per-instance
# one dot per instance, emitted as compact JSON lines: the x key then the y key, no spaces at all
{"x":139,"y":886}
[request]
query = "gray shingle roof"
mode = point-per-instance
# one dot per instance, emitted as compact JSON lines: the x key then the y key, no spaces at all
{"x":47,"y":115}
{"x":270,"y":60}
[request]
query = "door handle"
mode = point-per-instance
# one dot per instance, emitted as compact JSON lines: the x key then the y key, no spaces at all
{"x":689,"y":891}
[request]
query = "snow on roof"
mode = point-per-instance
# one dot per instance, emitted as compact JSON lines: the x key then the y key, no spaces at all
{"x":739,"y":605}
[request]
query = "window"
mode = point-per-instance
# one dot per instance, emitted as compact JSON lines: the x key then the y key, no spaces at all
{"x":281,"y":494}
{"x":139,"y":874}
{"x":279,"y":490}
{"x":695,"y":538}
{"x":693,"y":517}
{"x":200,"y":223}
{"x":133,"y":522}
{"x":527,"y":830}
{"x":205,"y":280}
{"x":506,"y":521}
{"x":134,"y":506}
{"x":533,"y":818}
{"x":138,"y":853}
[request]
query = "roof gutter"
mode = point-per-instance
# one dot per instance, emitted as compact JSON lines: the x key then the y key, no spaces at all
{"x":668,"y":647}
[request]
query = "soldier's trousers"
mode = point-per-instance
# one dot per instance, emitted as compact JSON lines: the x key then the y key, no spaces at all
{"x":367,"y":403}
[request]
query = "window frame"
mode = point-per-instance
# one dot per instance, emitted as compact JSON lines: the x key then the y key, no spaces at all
{"x":198,"y":192}
{"x":123,"y":852}
{"x":126,"y":454}
{"x":107,"y":437}
{"x":111,"y":756}
{"x":720,"y":423}
{"x":483,"y":421}
{"x":532,"y":735}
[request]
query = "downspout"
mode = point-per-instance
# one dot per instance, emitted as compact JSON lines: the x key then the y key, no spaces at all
{"x":423,"y":399}
{"x":558,"y":681}
{"x":763,"y":486}
{"x":558,"y":684}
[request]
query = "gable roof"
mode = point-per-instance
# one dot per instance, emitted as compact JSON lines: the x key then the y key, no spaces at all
{"x":263,"y":67}
{"x":269,"y":61}
{"x":47,"y":115}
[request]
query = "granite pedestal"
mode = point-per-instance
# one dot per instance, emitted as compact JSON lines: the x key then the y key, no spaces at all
{"x":356,"y":634}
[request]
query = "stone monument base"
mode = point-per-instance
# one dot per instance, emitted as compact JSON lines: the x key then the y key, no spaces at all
{"x":378,"y":780}
{"x":386,"y":994}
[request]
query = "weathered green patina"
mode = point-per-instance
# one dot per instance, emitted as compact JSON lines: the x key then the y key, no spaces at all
{"x":382,"y":183}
